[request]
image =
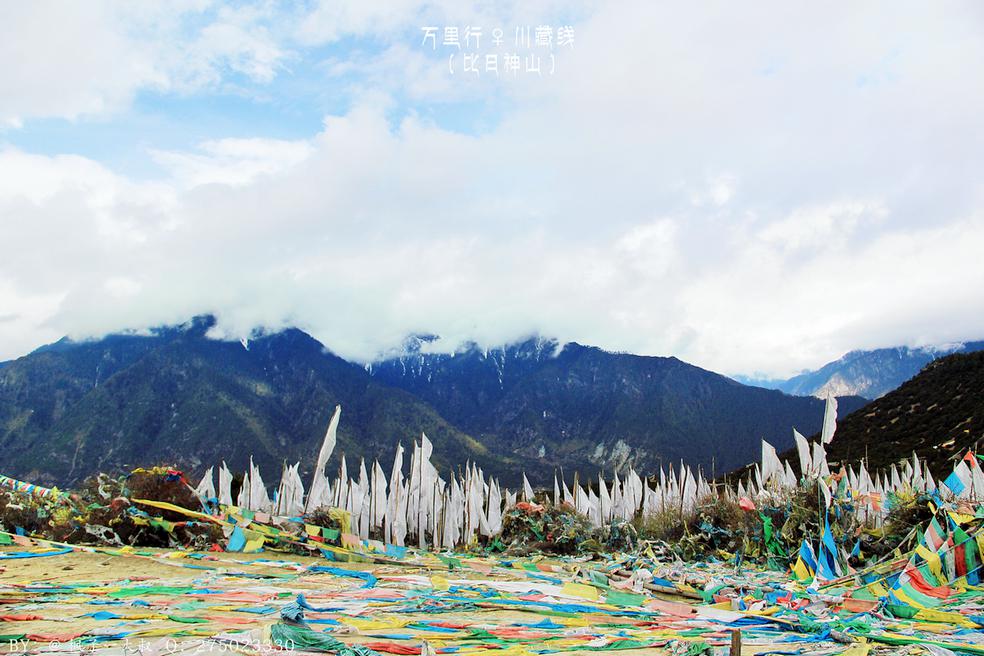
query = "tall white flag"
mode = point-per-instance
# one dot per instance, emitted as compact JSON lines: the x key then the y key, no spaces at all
{"x":319,"y":480}
{"x":829,"y":419}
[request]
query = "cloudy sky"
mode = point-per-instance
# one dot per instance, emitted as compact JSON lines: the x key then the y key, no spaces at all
{"x":752,"y":187}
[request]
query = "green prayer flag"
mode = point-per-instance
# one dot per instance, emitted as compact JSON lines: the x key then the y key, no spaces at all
{"x":619,"y":598}
{"x":296,"y":637}
{"x":598,"y":578}
{"x":187,"y":620}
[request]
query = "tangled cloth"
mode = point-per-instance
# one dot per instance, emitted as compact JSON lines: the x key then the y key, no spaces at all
{"x":292,"y":632}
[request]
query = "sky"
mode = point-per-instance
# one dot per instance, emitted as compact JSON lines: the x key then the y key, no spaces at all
{"x":755,"y":188}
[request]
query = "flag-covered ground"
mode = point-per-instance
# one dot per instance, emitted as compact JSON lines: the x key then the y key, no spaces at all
{"x":60,"y":599}
{"x":824,"y":563}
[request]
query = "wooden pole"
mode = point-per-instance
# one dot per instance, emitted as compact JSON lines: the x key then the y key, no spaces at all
{"x":736,"y":642}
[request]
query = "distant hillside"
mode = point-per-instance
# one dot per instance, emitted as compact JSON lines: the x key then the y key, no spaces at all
{"x":870,"y":374}
{"x":585,"y":408}
{"x":939,"y":414}
{"x":73,"y":408}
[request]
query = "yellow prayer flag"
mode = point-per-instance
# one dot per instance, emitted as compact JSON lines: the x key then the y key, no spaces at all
{"x":580,"y":590}
{"x":933,"y":560}
{"x":931,"y":615}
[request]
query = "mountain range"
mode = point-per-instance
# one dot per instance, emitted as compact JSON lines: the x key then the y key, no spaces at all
{"x":176,"y":395}
{"x":870,"y":374}
{"x":938,"y":414}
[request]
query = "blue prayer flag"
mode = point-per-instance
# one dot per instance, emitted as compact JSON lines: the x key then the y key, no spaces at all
{"x":954,"y":483}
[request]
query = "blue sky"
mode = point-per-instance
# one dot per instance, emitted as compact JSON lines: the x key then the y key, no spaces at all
{"x":290,"y":106}
{"x":750,"y":188}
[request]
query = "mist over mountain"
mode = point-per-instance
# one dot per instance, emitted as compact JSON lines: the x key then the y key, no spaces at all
{"x":581,"y":407}
{"x":71,"y":409}
{"x":174,"y":394}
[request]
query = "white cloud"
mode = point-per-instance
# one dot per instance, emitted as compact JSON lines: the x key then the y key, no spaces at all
{"x":122,"y":287}
{"x":813,"y":227}
{"x":22,"y":319}
{"x":74,"y":60}
{"x":233,"y":162}
{"x":237,"y":41}
{"x":750,"y":189}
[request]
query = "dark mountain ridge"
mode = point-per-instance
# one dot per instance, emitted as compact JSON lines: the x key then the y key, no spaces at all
{"x":69,"y":411}
{"x":581,"y":407}
{"x":173,"y":394}
{"x":938,"y":414}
